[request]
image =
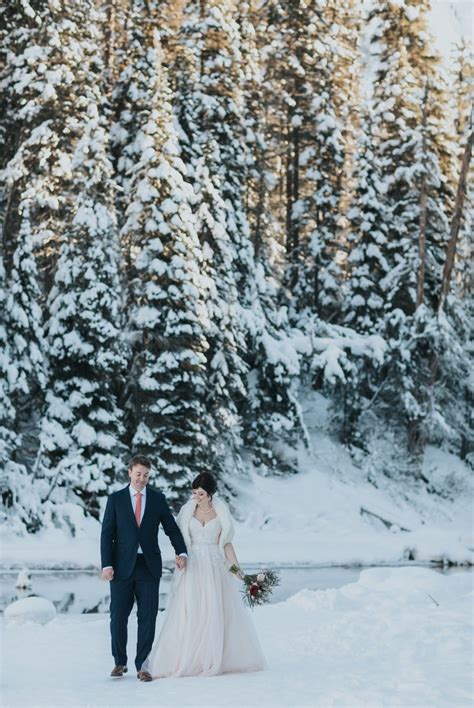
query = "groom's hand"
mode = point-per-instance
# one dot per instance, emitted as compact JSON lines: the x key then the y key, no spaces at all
{"x":108,"y":574}
{"x":181,"y":562}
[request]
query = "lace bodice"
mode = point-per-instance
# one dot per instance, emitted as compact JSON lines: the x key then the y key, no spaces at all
{"x":207,"y":535}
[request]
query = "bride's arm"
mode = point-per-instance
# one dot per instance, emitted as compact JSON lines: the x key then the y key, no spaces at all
{"x":232,"y":558}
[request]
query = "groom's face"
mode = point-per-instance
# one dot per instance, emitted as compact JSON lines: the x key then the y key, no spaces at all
{"x":139,"y":476}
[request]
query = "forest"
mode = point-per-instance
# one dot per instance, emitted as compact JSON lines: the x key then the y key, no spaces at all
{"x":210,"y":208}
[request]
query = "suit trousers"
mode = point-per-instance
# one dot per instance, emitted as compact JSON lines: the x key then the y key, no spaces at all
{"x":144,"y":588}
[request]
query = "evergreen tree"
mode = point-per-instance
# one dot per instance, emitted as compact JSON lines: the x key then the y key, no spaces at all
{"x":24,"y":323}
{"x":39,"y":91}
{"x":307,"y":114}
{"x":367,"y":237}
{"x":19,"y":503}
{"x":213,"y":33}
{"x":452,"y":393}
{"x":36,"y":173}
{"x":135,"y":60}
{"x":198,"y":105}
{"x":43,"y":114}
{"x":413,"y":149}
{"x":367,"y":267}
{"x":463,"y":102}
{"x":319,"y":127}
{"x":226,"y":335}
{"x":81,"y":430}
{"x":8,"y":376}
{"x":408,"y":236}
{"x":167,"y":387}
{"x":211,"y":110}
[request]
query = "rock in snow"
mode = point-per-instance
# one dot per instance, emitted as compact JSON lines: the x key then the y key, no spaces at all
{"x":23,"y":582}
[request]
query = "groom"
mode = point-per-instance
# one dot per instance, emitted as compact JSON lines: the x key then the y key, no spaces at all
{"x":131,"y":561}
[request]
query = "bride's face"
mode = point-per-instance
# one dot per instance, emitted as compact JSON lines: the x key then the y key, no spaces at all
{"x":200,"y":496}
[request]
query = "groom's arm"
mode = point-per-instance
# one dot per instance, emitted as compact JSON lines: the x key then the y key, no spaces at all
{"x":107,"y":536}
{"x":171,"y":529}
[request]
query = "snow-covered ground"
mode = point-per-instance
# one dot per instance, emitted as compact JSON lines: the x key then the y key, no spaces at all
{"x":397,"y":637}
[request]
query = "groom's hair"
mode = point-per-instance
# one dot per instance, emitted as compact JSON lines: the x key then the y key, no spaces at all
{"x":139,"y":460}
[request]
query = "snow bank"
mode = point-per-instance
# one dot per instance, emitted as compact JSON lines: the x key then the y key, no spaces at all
{"x":30,"y":609}
{"x":328,"y":514}
{"x":395,"y":637}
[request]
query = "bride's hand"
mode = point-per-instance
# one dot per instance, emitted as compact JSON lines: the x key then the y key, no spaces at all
{"x":181,"y":562}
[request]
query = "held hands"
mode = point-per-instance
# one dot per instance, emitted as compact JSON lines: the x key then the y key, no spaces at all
{"x":181,"y":562}
{"x":108,"y":574}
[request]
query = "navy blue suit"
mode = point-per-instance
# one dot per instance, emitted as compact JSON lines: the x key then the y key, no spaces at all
{"x":136,"y":576}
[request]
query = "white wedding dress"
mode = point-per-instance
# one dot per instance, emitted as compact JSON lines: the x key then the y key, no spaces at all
{"x":207,"y":629}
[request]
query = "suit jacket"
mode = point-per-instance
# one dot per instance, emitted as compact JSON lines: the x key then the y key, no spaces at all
{"x":121,"y":536}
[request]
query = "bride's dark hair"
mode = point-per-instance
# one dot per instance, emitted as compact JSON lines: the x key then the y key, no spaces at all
{"x":205,"y":481}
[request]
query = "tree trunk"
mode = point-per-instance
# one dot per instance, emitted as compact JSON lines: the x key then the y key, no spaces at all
{"x":456,"y":223}
{"x":289,"y":189}
{"x":420,"y":283}
{"x":110,"y":37}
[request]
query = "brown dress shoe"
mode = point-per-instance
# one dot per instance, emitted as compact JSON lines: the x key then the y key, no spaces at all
{"x":144,"y":676}
{"x":119,"y":670}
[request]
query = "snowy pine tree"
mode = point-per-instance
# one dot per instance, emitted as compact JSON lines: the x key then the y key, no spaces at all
{"x":81,"y":429}
{"x":20,"y":504}
{"x":412,"y":147}
{"x":133,"y":63}
{"x":211,"y":109}
{"x":168,"y":420}
{"x":463,"y":102}
{"x":226,"y":335}
{"x":452,"y":392}
{"x":319,"y":127}
{"x":367,"y":237}
{"x":24,"y":323}
{"x":8,"y":375}
{"x":406,"y":237}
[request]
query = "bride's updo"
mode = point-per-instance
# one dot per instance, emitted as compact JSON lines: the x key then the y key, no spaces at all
{"x":205,"y":481}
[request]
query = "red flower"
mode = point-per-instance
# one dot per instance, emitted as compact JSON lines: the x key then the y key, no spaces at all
{"x":253,"y":589}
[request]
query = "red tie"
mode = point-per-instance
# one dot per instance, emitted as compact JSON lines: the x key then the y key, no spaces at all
{"x":138,"y":508}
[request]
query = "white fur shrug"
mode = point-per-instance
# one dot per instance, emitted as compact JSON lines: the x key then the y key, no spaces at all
{"x":223,"y":512}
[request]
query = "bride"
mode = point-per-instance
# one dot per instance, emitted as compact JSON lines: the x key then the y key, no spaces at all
{"x":207,"y":629}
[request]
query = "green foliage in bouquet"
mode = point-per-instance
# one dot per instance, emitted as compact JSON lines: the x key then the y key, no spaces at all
{"x":258,"y":586}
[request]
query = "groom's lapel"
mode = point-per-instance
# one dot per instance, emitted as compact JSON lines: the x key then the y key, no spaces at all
{"x":150,"y":500}
{"x":127,"y":505}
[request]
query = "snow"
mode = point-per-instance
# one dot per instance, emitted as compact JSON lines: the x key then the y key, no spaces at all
{"x":23,"y":580}
{"x":449,"y":22}
{"x":30,"y":609}
{"x":396,"y":637}
{"x":84,"y":434}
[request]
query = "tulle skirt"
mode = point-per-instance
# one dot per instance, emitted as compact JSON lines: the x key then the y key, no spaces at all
{"x":207,"y":629}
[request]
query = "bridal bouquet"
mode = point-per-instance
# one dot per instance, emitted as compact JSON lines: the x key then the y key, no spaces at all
{"x":258,"y":586}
